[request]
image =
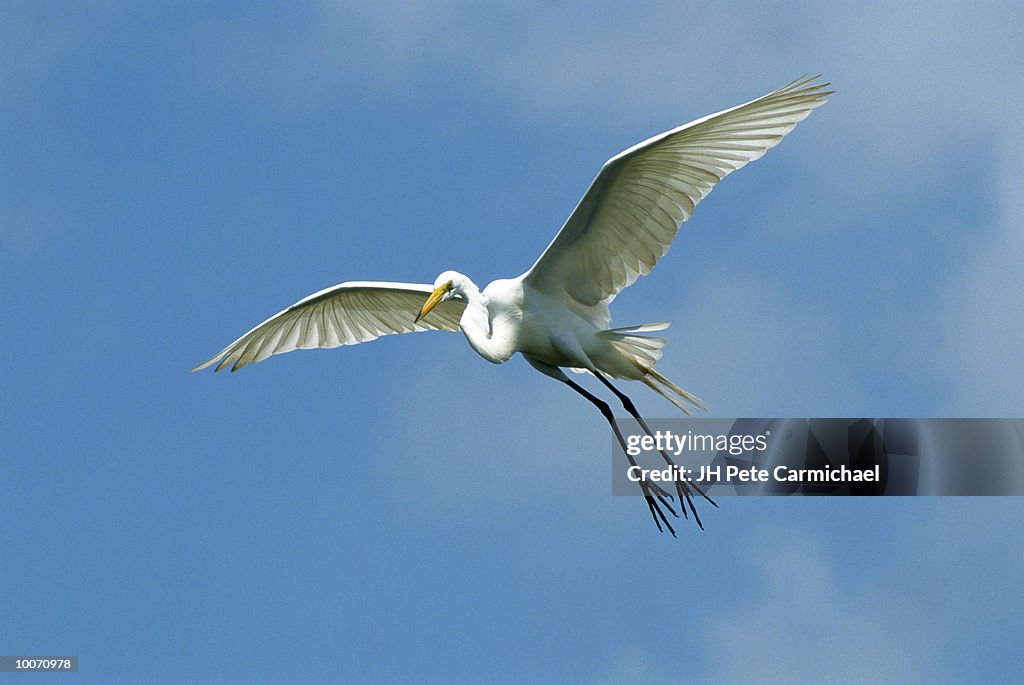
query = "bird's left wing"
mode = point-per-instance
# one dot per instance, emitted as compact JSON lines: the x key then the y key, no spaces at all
{"x":630,"y":214}
{"x":345,"y":314}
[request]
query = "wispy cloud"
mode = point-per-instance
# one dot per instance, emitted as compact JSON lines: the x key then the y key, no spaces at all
{"x":984,"y":330}
{"x":813,"y":612}
{"x":35,"y":39}
{"x":805,"y":621}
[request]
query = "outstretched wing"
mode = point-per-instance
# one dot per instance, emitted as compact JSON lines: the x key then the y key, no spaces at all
{"x":345,"y":314}
{"x":630,"y":214}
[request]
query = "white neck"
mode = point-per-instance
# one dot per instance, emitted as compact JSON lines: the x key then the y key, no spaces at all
{"x":485,"y":332}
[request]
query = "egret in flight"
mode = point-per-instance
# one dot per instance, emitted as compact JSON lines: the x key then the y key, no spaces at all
{"x":556,"y":314}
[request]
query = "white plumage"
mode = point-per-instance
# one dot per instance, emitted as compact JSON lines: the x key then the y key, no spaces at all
{"x":556,"y":314}
{"x":344,"y":314}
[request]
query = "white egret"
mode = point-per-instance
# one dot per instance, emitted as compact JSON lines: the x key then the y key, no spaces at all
{"x":556,"y":314}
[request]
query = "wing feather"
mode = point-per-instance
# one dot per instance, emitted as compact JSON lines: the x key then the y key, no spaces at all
{"x":632,"y":211}
{"x":345,"y":314}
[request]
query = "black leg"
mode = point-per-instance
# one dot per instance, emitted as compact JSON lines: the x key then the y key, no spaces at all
{"x":655,"y":496}
{"x":682,"y":488}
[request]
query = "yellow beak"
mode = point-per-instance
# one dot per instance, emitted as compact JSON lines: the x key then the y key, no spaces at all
{"x":433,"y":300}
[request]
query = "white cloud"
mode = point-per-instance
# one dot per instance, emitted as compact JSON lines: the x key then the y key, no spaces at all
{"x":819,"y":610}
{"x":803,"y":621}
{"x":903,"y":596}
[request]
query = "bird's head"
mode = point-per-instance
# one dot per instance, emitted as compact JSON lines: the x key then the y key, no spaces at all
{"x":446,"y":286}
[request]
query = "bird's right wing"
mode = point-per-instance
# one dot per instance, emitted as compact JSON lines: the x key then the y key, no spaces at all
{"x":345,"y":314}
{"x":629,"y":216}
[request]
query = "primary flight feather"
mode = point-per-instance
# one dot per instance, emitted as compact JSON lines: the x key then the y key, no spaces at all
{"x":556,"y":314}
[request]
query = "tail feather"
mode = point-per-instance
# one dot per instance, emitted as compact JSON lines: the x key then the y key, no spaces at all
{"x":643,"y":328}
{"x":644,"y":351}
{"x":672,"y":392}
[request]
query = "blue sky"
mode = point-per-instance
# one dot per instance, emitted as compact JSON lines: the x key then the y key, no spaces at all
{"x":403,"y":510}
